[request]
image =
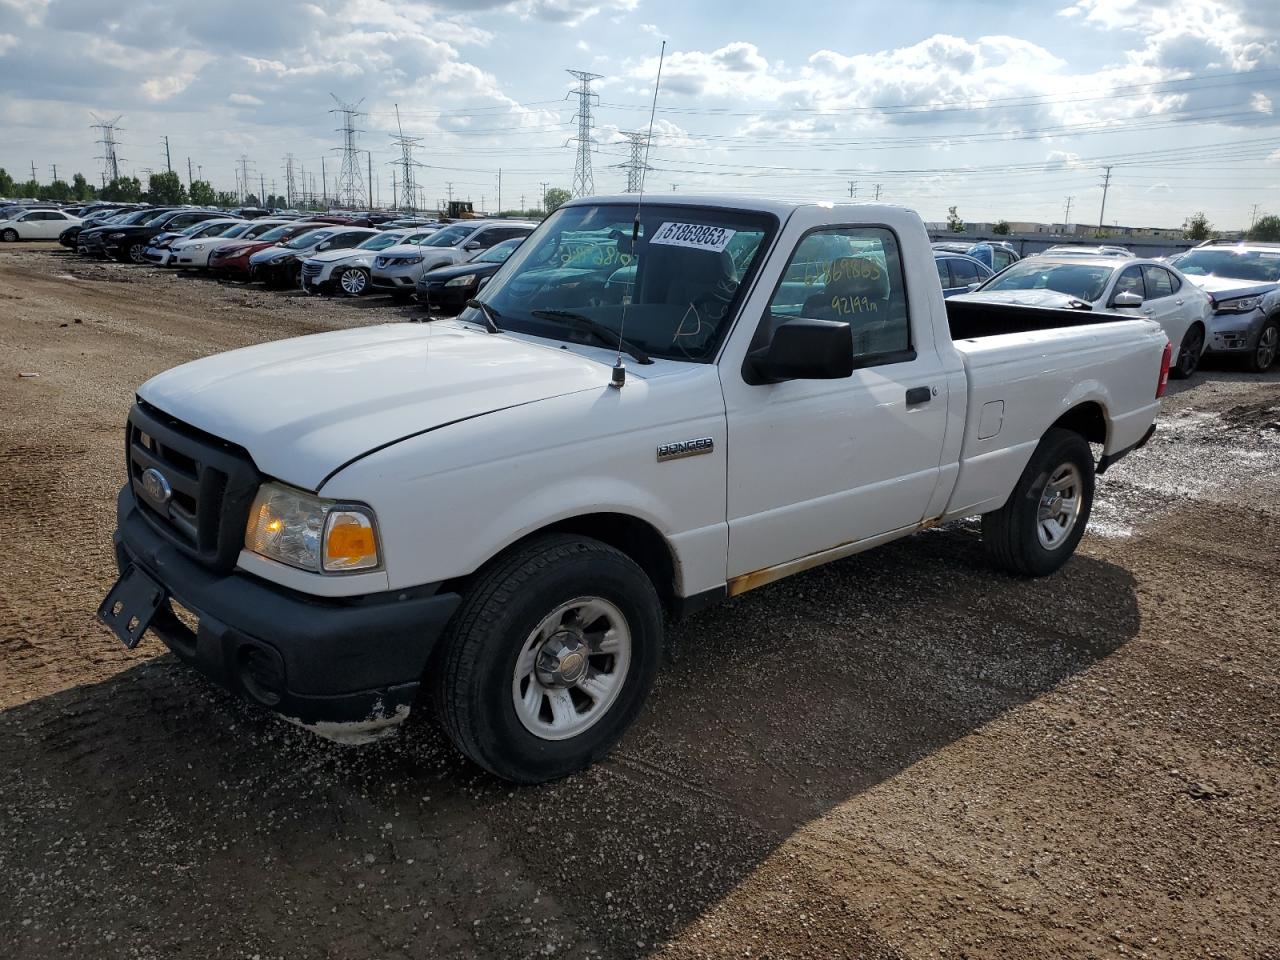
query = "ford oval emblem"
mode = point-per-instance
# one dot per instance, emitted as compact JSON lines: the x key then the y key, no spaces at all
{"x":156,"y":487}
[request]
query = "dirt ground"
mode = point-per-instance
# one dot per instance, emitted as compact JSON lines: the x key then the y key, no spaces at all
{"x":902,"y":755}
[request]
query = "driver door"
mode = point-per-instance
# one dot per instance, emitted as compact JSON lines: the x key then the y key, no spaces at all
{"x":817,"y":465}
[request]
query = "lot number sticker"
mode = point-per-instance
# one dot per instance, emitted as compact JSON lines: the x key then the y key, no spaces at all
{"x":696,"y":235}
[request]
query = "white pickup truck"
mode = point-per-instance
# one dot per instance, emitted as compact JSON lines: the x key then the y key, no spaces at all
{"x":651,"y":410}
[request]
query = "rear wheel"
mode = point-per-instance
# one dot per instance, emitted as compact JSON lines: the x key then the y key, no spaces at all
{"x":1037,"y":530}
{"x":9,"y":236}
{"x":549,"y":659}
{"x":1264,"y":354}
{"x":1189,"y":353}
{"x":354,"y":281}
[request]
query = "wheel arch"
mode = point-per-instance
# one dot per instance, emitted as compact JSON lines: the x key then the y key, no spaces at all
{"x":1089,"y":419}
{"x":638,"y":539}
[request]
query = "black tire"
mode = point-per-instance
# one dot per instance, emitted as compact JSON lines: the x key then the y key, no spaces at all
{"x":9,"y":236}
{"x":1012,"y":533}
{"x":136,"y":253}
{"x":1187,"y":360}
{"x":1267,"y":348}
{"x":474,"y":668}
{"x":353,"y":282}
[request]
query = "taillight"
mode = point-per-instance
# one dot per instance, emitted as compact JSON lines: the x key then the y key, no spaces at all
{"x":1164,"y":370}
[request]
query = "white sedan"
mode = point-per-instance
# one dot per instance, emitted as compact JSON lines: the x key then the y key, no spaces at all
{"x":160,"y":252}
{"x":193,"y":254}
{"x":1088,"y":282}
{"x":36,"y":225}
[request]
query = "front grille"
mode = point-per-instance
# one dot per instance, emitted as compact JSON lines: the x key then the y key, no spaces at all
{"x":210,"y":485}
{"x":311,"y":270}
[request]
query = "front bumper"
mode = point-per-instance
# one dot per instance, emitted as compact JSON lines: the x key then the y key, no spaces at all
{"x":1234,"y":332}
{"x":316,"y":661}
{"x":445,"y":297}
{"x":403,"y":280}
{"x":159,"y":257}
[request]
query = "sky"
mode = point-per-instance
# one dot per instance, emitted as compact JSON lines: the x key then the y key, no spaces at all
{"x":1002,"y":109}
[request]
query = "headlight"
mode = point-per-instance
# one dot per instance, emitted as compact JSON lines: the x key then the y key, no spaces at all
{"x":195,"y":246}
{"x":464,"y":281}
{"x":309,"y":532}
{"x":412,"y":258}
{"x":1238,"y":305}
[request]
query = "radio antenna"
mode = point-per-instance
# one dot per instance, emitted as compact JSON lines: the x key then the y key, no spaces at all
{"x":619,"y":370}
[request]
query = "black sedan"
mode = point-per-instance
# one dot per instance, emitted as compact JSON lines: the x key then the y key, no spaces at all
{"x":69,"y":236}
{"x":449,"y":288}
{"x":128,"y":244}
{"x":91,"y":241}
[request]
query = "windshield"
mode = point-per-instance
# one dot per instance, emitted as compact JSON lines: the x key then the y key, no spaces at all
{"x":381,"y":241}
{"x":236,"y":230}
{"x":678,"y":284}
{"x":499,"y":253}
{"x":308,"y":239}
{"x":279,"y":232}
{"x":449,"y":236}
{"x":1081,"y":280}
{"x":1233,"y":264}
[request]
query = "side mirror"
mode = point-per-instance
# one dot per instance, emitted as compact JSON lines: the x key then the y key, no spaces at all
{"x":974,"y":286}
{"x":325,"y":246}
{"x":1126,"y":299}
{"x":804,"y":349}
{"x":472,"y":247}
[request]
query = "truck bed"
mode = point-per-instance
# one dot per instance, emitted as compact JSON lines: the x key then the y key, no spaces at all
{"x":971,"y":321}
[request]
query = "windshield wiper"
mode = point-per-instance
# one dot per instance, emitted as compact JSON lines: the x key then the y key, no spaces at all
{"x":490,"y":315}
{"x":602,"y":333}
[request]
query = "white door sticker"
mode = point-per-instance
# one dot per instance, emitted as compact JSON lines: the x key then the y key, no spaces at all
{"x":696,"y":235}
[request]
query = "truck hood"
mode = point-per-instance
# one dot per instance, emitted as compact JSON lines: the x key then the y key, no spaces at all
{"x":307,"y":406}
{"x":1028,"y":298}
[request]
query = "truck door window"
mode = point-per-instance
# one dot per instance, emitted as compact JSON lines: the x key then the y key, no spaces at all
{"x":852,"y":275}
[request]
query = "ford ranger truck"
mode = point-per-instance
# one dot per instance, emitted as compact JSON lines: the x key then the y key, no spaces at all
{"x":652,"y":409}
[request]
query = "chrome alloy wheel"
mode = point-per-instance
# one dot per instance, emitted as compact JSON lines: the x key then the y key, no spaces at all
{"x":571,"y":668}
{"x":353,"y":282}
{"x":1059,"y":506}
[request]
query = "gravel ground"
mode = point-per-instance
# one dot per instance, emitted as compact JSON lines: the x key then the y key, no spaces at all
{"x":901,"y":755}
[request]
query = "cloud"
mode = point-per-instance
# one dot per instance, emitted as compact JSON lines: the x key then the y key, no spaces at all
{"x":245,"y":100}
{"x":7,"y":42}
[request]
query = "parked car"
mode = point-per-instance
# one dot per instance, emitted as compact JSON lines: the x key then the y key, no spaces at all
{"x":128,"y":243}
{"x":71,"y":234}
{"x":1243,"y":280}
{"x":995,"y":255}
{"x":1149,"y":287}
{"x":347,"y":270}
{"x":249,"y":213}
{"x":36,"y":225}
{"x":396,"y":270}
{"x":92,"y":242}
{"x":958,"y":272}
{"x":449,"y":288}
{"x":281,"y":266}
{"x":232,"y":260}
{"x":160,"y":252}
{"x":492,"y":507}
{"x":193,"y":254}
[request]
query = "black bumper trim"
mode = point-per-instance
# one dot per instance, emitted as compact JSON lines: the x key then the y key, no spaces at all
{"x":325,"y":660}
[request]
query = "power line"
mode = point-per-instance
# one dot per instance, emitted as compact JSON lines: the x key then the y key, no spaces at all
{"x":350,"y":185}
{"x":583,"y":182}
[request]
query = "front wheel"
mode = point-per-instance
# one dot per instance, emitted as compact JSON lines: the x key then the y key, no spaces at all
{"x":9,"y":236}
{"x":1189,"y":353}
{"x":1264,"y":354}
{"x":549,"y":659}
{"x":137,"y":253}
{"x":354,"y":281}
{"x":1038,"y":528}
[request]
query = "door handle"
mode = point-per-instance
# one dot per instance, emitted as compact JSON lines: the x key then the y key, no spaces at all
{"x":918,"y":395}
